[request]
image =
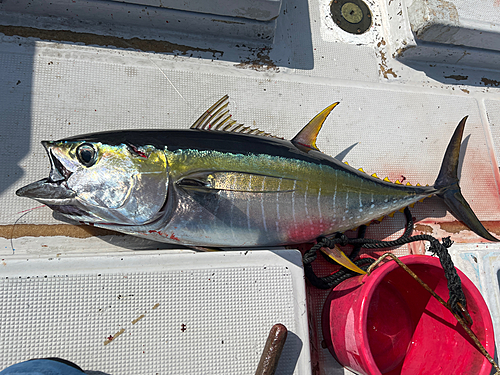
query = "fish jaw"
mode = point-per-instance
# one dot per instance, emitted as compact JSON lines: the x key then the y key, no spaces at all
{"x":47,"y":191}
{"x":57,"y":197}
{"x":54,"y":191}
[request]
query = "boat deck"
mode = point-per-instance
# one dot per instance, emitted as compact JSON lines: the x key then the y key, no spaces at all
{"x":403,"y":86}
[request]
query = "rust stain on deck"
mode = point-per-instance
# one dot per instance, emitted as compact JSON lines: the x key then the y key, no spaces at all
{"x":45,"y":230}
{"x":260,"y":60}
{"x":423,"y":228}
{"x":104,"y":40}
{"x":457,"y":77}
{"x":456,"y":227}
{"x":384,"y":70}
{"x":490,"y":82}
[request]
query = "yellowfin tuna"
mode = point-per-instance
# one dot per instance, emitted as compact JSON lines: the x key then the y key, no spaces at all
{"x":221,"y":184}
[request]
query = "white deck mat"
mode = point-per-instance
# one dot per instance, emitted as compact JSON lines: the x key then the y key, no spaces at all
{"x":199,"y":313}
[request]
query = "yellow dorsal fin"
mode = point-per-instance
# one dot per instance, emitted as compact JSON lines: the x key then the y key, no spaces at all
{"x":307,"y":136}
{"x":387,"y":179}
{"x":375,"y":175}
{"x":361,"y":170}
{"x":398,"y":183}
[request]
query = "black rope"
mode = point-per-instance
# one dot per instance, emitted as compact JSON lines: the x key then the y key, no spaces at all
{"x":438,"y":248}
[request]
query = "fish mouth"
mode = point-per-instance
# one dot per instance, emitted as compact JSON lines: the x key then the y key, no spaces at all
{"x":47,"y":190}
{"x":53,"y":190}
{"x":68,"y":209}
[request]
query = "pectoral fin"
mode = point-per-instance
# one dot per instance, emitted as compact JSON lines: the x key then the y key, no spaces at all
{"x":237,"y":181}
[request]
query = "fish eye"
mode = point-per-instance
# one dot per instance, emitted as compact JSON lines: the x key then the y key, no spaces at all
{"x":86,"y":154}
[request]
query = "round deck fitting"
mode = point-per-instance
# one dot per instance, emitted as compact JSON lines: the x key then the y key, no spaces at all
{"x":352,"y":16}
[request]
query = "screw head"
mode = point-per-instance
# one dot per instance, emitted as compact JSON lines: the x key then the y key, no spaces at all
{"x":352,"y":16}
{"x":351,"y":12}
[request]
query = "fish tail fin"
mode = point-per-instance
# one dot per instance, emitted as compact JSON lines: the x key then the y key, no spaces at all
{"x":449,"y":189}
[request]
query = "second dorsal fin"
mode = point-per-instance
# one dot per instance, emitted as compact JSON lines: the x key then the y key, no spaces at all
{"x":218,"y":118}
{"x":307,"y":136}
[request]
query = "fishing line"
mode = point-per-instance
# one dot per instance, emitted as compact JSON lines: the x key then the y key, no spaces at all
{"x":168,"y":79}
{"x":162,"y":72}
{"x":24,"y":213}
{"x":456,"y":294}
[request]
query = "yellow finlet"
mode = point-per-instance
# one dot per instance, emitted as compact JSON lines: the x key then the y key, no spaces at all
{"x":307,"y":136}
{"x":387,"y":180}
{"x":375,"y":175}
{"x":398,"y":183}
{"x":418,"y":184}
{"x":338,"y":256}
{"x":391,"y":214}
{"x":361,"y":170}
{"x":408,"y":184}
{"x":412,"y":205}
{"x":380,"y":218}
{"x":346,"y":163}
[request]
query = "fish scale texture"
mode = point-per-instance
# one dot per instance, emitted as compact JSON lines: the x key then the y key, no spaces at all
{"x":182,"y":321}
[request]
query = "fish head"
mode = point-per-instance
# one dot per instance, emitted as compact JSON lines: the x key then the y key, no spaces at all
{"x":93,"y":182}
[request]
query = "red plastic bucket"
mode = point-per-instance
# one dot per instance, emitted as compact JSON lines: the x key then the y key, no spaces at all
{"x":387,"y":323}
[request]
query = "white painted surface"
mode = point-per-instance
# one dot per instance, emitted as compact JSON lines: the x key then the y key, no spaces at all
{"x":207,"y":313}
{"x":459,"y":22}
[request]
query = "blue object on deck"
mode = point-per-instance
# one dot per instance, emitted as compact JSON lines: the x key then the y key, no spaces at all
{"x":47,"y":366}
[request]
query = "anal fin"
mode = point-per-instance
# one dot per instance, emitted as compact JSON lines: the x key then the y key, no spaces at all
{"x":338,"y":256}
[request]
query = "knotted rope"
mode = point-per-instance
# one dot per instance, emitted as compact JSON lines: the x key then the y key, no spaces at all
{"x":456,"y":300}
